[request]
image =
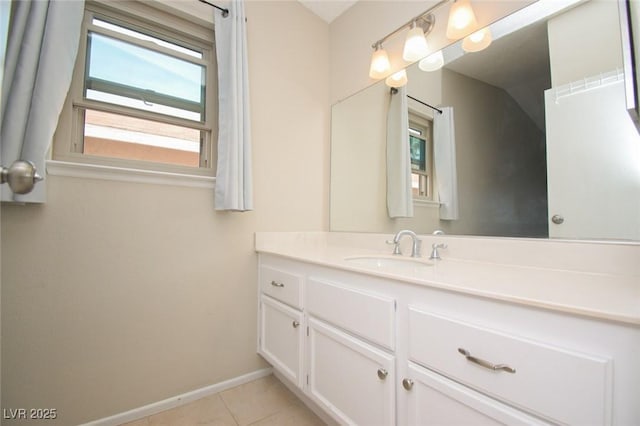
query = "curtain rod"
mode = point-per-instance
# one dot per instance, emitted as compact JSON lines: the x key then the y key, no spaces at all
{"x":394,"y":91}
{"x":225,"y":12}
{"x":425,"y":104}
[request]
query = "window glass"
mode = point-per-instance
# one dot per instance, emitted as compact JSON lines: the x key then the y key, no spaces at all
{"x":129,"y":75}
{"x":420,"y":149}
{"x":140,"y":36}
{"x":118,"y":136}
{"x":139,"y":92}
{"x":418,"y":155}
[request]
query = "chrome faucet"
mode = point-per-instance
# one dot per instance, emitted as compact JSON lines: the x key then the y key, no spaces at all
{"x":434,"y":251}
{"x":417,"y":243}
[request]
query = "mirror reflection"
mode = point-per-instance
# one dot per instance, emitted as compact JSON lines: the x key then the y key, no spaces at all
{"x":541,"y":144}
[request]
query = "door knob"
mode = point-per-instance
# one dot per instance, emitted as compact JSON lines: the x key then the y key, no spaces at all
{"x":296,"y":324}
{"x":557,"y":219}
{"x":21,"y":176}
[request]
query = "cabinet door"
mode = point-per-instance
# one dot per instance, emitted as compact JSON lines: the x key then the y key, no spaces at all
{"x":432,"y":399}
{"x":349,"y":378}
{"x":281,"y":337}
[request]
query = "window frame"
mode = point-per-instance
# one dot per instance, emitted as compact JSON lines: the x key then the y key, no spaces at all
{"x":421,"y":122}
{"x":141,"y":17}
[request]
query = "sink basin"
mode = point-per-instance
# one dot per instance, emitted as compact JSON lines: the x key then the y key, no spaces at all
{"x":389,"y":262}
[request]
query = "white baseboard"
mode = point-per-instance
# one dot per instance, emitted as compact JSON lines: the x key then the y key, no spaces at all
{"x":176,"y":401}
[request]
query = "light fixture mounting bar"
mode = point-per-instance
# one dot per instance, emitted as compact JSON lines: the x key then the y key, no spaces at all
{"x":417,"y":19}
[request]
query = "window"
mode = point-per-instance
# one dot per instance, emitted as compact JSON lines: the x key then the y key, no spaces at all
{"x":421,"y":148}
{"x":143,"y":93}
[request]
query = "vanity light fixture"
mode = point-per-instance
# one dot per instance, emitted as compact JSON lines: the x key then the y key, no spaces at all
{"x":398,"y":79}
{"x":462,"y":20}
{"x":415,"y":46}
{"x":380,"y":65}
{"x":477,"y":41}
{"x":433,"y":62}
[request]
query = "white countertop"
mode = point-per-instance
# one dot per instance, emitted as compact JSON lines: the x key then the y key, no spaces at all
{"x":594,"y":291}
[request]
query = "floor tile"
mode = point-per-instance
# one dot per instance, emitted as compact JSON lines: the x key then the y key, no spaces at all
{"x":206,"y":411}
{"x":296,"y":414}
{"x":257,"y":400}
{"x":262,"y":402}
{"x":141,"y":422}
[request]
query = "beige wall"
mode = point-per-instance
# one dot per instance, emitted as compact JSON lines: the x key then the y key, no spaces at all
{"x":116,"y":295}
{"x":593,"y":52}
{"x":501,"y":164}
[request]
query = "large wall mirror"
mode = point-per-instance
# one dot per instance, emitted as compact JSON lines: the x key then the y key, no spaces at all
{"x":544,"y":146}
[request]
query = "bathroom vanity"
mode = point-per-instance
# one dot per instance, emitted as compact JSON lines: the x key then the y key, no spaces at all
{"x":376,"y":339}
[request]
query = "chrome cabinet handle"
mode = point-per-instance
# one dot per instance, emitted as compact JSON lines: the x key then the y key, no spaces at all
{"x":486,"y":364}
{"x":276,"y":284}
{"x":382,"y":373}
{"x":407,"y":384}
{"x":557,"y":219}
{"x":296,"y":324}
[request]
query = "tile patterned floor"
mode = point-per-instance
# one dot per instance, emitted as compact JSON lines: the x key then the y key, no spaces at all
{"x":262,"y":402}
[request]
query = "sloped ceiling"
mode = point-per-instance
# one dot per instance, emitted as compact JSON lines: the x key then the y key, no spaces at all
{"x":519,"y":64}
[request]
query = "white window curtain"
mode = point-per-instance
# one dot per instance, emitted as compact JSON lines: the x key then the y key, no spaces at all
{"x":41,"y":52}
{"x":444,"y":147}
{"x":234,"y":190}
{"x":399,"y":195}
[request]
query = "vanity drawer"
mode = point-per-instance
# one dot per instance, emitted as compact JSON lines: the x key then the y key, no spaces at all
{"x":365,"y":314}
{"x":281,"y":285}
{"x":560,"y":385}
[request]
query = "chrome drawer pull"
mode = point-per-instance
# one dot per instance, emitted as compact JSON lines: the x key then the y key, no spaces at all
{"x":407,"y":384}
{"x":276,"y":284}
{"x":486,"y":364}
{"x":382,"y":373}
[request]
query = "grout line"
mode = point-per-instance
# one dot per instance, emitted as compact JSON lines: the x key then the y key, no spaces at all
{"x":233,"y":416}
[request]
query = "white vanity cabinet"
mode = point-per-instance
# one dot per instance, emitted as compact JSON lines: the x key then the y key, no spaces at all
{"x":281,"y":323}
{"x":553,"y":382}
{"x":432,"y":399}
{"x":349,"y":378}
{"x":344,"y":359}
{"x":371,"y":350}
{"x":281,"y":338}
{"x":351,"y":360}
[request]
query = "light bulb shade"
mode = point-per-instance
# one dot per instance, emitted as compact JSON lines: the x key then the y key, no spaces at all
{"x":462,"y":20}
{"x":415,"y":46}
{"x":380,"y":65}
{"x":477,"y":41}
{"x":433,"y":62}
{"x":398,"y":79}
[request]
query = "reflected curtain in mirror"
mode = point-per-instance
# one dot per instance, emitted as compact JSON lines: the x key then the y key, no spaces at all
{"x":399,"y":195}
{"x":444,"y":146}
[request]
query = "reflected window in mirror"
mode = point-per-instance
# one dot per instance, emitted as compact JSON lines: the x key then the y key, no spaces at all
{"x":421,"y":148}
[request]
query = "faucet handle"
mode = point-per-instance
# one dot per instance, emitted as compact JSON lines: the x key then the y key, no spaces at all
{"x":434,"y":253}
{"x":396,"y":247}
